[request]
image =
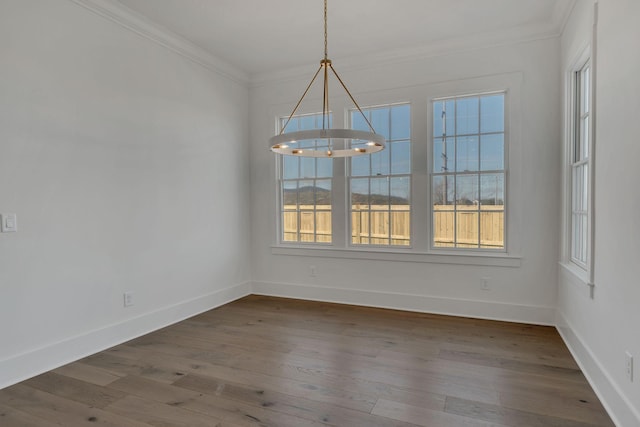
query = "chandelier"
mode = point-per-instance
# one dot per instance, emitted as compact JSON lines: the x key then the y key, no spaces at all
{"x":339,"y":142}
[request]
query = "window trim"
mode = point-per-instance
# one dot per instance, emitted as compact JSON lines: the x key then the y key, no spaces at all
{"x":431,"y":138}
{"x":419,"y":97}
{"x":349,"y":177}
{"x":583,"y":272}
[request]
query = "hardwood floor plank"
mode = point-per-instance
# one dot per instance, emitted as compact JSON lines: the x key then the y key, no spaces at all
{"x":11,"y":417}
{"x":73,"y":389}
{"x":160,"y":414}
{"x":402,"y":412}
{"x":279,"y":402}
{"x":507,"y":416}
{"x":585,"y":407}
{"x":513,"y":365}
{"x":88,"y":373}
{"x":211,"y":403}
{"x":252,"y":375}
{"x":61,"y":411}
{"x":266,"y":361}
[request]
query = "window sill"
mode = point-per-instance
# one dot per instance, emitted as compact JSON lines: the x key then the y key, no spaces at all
{"x":577,"y":276}
{"x":398,"y":255}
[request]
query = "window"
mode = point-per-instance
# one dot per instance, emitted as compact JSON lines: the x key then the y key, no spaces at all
{"x":580,"y":142}
{"x":468,"y":172}
{"x":305,"y":189}
{"x":380,"y":183}
{"x":438,"y":193}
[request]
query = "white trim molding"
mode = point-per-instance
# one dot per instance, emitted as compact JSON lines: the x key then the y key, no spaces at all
{"x":139,"y":24}
{"x":620,"y":409}
{"x":464,"y":258}
{"x":537,"y":315}
{"x":26,"y":365}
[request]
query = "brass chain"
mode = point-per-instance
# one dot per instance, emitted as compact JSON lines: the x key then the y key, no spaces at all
{"x":326,"y":49}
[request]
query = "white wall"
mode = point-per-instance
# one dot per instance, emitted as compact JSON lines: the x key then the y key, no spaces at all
{"x":109,"y":155}
{"x":601,"y":328}
{"x":526,"y":292}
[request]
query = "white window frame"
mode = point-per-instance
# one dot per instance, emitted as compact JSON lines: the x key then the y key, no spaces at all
{"x":280,"y":185}
{"x":583,"y":271}
{"x":420,"y":98}
{"x":580,"y":157}
{"x":349,"y":177}
{"x":504,"y":171}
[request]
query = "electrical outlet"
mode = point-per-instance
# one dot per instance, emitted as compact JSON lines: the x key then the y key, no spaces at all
{"x":312,"y":270}
{"x":629,"y":365}
{"x":8,"y":223}
{"x":128,"y":299}
{"x":484,"y":284}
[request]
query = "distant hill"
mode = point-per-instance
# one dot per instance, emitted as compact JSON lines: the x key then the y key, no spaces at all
{"x":323,"y":197}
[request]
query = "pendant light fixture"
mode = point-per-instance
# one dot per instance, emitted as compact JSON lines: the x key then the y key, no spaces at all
{"x":339,"y":142}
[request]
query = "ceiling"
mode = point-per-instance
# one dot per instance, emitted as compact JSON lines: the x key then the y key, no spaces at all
{"x":265,"y":36}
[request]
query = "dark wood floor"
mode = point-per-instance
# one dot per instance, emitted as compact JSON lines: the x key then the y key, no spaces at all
{"x":264,"y":361}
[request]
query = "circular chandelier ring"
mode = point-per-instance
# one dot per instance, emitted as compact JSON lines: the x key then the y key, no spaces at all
{"x":286,"y":143}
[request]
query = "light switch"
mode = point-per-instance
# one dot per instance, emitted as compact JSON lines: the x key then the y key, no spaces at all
{"x":9,"y":223}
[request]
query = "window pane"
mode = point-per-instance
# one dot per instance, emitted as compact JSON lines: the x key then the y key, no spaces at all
{"x":400,"y":122}
{"x":492,"y":152}
{"x":360,"y":227}
{"x":306,"y":200}
{"x":584,"y":138}
{"x":438,"y":119}
{"x":575,"y":236}
{"x":307,"y":226}
{"x":467,"y":116}
{"x":443,"y":191}
{"x":379,"y":193}
{"x":377,"y":190}
{"x":323,"y":194}
{"x":324,"y":167}
{"x":307,"y":167}
{"x":467,"y":233}
{"x":577,"y":189}
{"x":360,"y":193}
{"x":467,"y":190}
{"x":358,"y":122}
{"x":585,"y":187}
{"x":400,"y":157}
{"x":290,"y":195}
{"x":289,"y":167}
{"x":443,"y":155}
{"x":306,"y":194}
{"x":380,"y":163}
{"x":323,"y":226}
{"x":586,"y":89}
{"x":492,"y":189}
{"x":464,"y":198}
{"x":360,"y":165}
{"x":400,"y":227}
{"x":400,"y":191}
{"x":467,"y":154}
{"x":380,"y":227}
{"x":492,"y":113}
{"x":307,"y":122}
{"x":290,"y":226}
{"x":380,"y":121}
{"x":492,"y":227}
{"x":449,"y":117}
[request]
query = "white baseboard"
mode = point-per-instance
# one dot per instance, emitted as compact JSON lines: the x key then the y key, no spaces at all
{"x":537,"y":315}
{"x":615,"y":402}
{"x":26,"y":365}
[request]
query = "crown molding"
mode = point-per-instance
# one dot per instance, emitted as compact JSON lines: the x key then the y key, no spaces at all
{"x":561,"y":13}
{"x":139,"y":24}
{"x":507,"y":37}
